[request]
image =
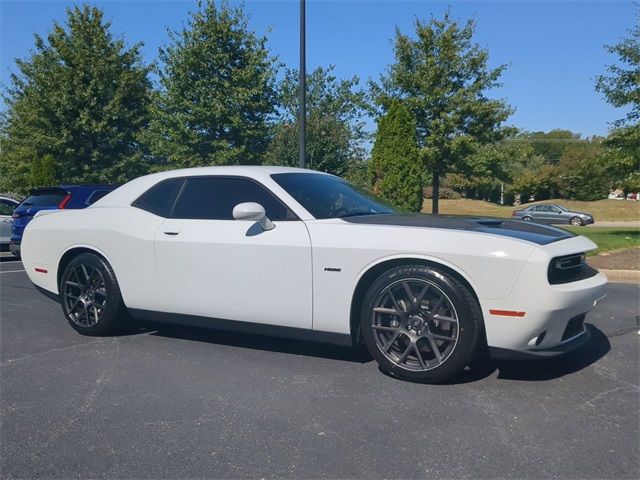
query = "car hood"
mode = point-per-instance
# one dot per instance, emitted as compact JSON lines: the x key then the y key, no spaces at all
{"x":527,"y":231}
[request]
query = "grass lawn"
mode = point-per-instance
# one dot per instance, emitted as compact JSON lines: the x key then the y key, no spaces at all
{"x":609,"y":238}
{"x":611,"y":210}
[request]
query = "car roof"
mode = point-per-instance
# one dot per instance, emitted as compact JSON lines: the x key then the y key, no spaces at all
{"x":53,"y":187}
{"x":128,"y":192}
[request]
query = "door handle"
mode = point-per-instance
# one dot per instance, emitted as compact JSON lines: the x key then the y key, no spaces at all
{"x":172,"y":232}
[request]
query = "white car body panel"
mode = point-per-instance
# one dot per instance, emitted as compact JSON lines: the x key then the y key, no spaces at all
{"x":303,"y":273}
{"x":231,"y":269}
{"x":354,"y":249}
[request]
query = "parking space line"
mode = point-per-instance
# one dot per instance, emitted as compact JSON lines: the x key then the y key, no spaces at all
{"x":11,"y":271}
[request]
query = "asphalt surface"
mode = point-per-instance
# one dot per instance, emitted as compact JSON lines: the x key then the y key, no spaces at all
{"x":188,"y":403}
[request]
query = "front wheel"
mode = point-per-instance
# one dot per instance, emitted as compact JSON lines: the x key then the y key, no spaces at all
{"x":90,"y":296}
{"x":576,"y":222}
{"x":421,"y":324}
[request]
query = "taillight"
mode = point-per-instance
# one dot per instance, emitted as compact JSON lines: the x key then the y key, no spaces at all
{"x":64,"y":201}
{"x":513,"y":214}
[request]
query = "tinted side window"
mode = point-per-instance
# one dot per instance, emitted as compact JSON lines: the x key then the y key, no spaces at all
{"x":214,"y":198}
{"x":160,"y":198}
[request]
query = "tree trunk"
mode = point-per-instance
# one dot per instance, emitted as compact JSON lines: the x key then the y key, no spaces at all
{"x":436,"y":191}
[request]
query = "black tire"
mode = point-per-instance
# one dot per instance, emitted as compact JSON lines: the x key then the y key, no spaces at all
{"x":468,"y":329}
{"x":576,"y":222}
{"x":98,"y":310}
{"x":527,"y":219}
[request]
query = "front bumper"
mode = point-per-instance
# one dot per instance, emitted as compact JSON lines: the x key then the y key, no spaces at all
{"x":567,"y":346}
{"x":546,"y":319}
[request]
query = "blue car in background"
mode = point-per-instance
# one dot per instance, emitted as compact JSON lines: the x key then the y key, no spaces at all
{"x":52,"y":198}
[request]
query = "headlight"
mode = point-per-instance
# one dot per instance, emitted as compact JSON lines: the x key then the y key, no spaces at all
{"x":569,"y":268}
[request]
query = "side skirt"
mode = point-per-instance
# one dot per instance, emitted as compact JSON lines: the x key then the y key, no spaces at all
{"x":242,"y":327}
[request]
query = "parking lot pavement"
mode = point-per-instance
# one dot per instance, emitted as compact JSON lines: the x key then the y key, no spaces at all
{"x":178,"y":403}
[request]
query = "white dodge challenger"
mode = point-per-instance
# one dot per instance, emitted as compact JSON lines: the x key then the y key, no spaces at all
{"x":302,"y":254}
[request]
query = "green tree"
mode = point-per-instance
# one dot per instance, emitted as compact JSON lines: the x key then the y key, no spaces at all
{"x":218,"y":92}
{"x":549,"y":145}
{"x":335,"y":129}
{"x":82,"y":96}
{"x":43,"y":171}
{"x":621,"y":86}
{"x":395,"y":169}
{"x":443,"y":77}
{"x":582,"y":172}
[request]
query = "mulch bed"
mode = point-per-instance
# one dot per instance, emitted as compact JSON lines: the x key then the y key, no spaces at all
{"x":627,"y":259}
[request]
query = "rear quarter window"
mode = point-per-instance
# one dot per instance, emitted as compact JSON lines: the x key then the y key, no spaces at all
{"x":160,"y":198}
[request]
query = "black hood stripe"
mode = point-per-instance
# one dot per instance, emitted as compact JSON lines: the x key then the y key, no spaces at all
{"x":530,"y":232}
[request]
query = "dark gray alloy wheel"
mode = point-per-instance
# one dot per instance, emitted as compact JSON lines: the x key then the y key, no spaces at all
{"x":527,"y":219}
{"x":576,"y":222}
{"x":421,"y":324}
{"x":90,"y":296}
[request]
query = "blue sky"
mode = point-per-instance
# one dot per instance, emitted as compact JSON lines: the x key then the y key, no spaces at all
{"x":555,"y":49}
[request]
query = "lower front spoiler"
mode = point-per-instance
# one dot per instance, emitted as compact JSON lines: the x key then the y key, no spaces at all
{"x":538,"y":354}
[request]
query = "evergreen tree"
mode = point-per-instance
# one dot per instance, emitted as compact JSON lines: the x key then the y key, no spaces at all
{"x":442,"y":76}
{"x":82,"y":96}
{"x":395,"y":168}
{"x":43,"y":171}
{"x":218,"y":92}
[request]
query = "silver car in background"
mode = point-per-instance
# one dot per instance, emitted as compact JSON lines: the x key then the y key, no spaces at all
{"x":552,"y":214}
{"x":7,"y":205}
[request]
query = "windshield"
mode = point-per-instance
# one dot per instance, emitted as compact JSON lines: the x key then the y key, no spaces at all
{"x":562,"y":208}
{"x":326,"y":196}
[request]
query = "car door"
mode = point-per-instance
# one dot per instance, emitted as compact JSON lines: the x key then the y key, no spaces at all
{"x":541,"y":213}
{"x":214,"y":266}
{"x":555,"y":216}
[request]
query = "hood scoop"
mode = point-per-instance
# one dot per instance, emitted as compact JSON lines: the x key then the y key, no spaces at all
{"x":490,"y":222}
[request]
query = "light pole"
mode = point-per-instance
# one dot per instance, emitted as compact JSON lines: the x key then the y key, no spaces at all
{"x":303,"y":87}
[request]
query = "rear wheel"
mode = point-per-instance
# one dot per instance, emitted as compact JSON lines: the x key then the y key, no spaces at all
{"x":576,"y":222}
{"x":420,"y":323}
{"x":527,"y":219}
{"x":91,"y":299}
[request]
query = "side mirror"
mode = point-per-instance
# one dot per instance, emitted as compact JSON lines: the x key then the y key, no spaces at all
{"x":254,"y":212}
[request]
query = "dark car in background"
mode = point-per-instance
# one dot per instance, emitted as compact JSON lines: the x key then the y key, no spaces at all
{"x":52,"y":198}
{"x":552,"y":214}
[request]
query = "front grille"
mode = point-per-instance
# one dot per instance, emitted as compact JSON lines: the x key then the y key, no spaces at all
{"x":574,"y":327}
{"x":569,"y":268}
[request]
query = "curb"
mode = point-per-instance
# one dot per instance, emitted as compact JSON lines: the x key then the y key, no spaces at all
{"x":622,"y":276}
